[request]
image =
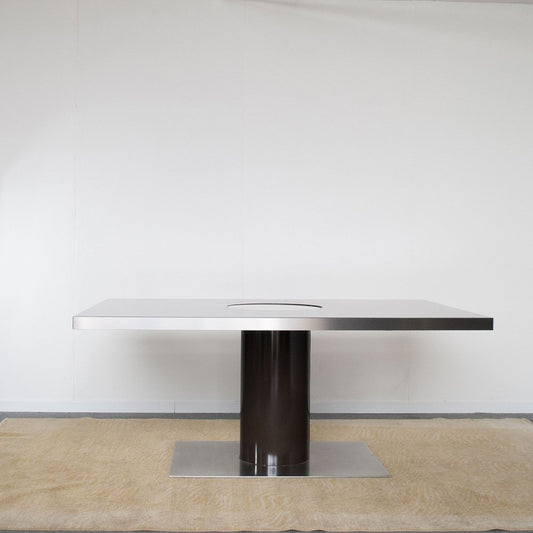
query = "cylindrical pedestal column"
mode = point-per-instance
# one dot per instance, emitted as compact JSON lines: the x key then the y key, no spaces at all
{"x":274,"y":401}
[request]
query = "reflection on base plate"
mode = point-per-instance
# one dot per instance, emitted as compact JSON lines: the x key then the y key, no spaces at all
{"x":327,"y":459}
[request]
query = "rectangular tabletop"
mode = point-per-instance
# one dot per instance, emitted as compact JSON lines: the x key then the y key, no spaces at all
{"x":272,"y":315}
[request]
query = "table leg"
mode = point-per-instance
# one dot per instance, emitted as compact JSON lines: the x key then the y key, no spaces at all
{"x":275,"y":402}
{"x":275,"y":371}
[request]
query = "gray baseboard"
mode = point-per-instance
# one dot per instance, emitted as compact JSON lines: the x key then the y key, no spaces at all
{"x":355,"y":416}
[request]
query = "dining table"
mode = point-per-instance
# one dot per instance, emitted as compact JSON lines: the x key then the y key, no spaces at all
{"x":275,"y":373}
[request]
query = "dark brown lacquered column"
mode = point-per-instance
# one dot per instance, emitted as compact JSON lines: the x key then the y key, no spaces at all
{"x":274,"y":402}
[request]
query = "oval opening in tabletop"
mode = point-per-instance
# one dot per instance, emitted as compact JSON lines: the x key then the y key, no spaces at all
{"x":273,"y":306}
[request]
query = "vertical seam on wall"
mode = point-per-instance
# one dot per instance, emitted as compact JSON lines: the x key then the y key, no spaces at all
{"x":76,"y":172}
{"x":243,"y":153}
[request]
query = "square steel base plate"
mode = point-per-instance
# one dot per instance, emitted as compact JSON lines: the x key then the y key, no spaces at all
{"x":327,"y":459}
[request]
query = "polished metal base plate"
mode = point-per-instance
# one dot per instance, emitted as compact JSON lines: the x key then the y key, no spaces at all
{"x":327,"y":459}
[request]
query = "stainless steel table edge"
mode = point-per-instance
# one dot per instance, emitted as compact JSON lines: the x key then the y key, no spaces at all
{"x":282,"y":324}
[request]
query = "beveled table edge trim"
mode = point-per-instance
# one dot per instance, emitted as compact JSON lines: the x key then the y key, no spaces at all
{"x":481,"y":323}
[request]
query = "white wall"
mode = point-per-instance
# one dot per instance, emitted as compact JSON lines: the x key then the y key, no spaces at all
{"x":232,"y":148}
